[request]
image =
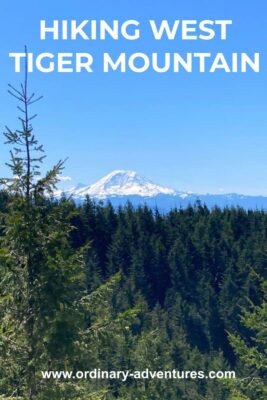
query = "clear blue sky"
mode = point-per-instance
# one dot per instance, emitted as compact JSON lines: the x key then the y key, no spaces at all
{"x":198,"y":132}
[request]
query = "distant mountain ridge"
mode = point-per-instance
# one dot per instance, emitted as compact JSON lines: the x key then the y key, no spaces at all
{"x":119,"y":183}
{"x":121,"y":186}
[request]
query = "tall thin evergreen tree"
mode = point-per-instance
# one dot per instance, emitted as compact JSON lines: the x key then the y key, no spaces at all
{"x":42,"y":278}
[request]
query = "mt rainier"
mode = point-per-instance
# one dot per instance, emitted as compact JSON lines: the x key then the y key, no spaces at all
{"x":119,"y":183}
{"x":120,"y":187}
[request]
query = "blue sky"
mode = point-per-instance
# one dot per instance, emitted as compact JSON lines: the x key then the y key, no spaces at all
{"x":198,"y":132}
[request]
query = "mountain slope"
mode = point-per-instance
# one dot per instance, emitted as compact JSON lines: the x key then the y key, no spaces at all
{"x":121,"y":186}
{"x":121,"y":183}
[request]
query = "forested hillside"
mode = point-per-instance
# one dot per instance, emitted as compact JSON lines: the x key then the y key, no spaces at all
{"x":163,"y":292}
{"x":90,"y":287}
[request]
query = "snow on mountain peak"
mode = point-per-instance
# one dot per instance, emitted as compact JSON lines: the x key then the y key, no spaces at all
{"x":122,"y":183}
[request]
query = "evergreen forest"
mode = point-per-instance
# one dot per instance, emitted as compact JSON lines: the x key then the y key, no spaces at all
{"x":86,"y":287}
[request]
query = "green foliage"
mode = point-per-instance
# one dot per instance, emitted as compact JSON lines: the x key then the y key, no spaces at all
{"x":86,"y":287}
{"x":42,"y":278}
{"x":252,"y":352}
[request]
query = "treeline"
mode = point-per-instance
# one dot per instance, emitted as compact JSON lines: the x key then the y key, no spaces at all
{"x":206,"y":261}
{"x":158,"y":291}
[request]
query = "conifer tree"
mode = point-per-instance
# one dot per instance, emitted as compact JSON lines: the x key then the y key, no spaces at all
{"x":252,"y":353}
{"x":41,"y":276}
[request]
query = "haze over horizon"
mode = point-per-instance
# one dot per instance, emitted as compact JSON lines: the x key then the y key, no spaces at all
{"x":203,"y":133}
{"x":67,"y":182}
{"x":123,"y":187}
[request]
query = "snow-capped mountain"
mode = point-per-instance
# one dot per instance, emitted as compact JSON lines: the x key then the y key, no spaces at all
{"x":120,"y":183}
{"x":121,"y":186}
